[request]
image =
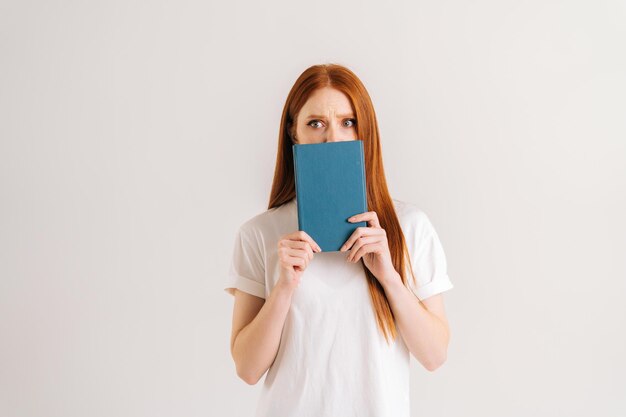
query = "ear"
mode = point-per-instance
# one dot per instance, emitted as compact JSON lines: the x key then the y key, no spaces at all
{"x":292,"y":132}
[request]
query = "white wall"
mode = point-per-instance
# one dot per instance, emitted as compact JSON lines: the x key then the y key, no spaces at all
{"x":125,"y":127}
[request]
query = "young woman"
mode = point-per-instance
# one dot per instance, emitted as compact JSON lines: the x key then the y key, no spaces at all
{"x":334,"y":330}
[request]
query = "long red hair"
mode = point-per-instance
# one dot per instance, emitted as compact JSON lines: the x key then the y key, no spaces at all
{"x":378,"y":198}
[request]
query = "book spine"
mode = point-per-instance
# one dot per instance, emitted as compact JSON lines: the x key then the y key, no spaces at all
{"x":364,"y":176}
{"x":294,"y":152}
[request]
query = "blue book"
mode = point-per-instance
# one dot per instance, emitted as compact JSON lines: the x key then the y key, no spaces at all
{"x":330,"y":188}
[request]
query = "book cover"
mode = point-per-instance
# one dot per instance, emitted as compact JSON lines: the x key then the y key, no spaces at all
{"x":330,"y":188}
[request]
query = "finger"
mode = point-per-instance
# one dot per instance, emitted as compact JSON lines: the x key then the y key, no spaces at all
{"x":353,"y":254}
{"x":296,"y":262}
{"x":306,"y":253}
{"x":365,"y":249}
{"x":369,"y":216}
{"x":304,"y":236}
{"x":297,"y":244}
{"x":284,"y":252}
{"x":287,"y":242}
{"x":358,"y":233}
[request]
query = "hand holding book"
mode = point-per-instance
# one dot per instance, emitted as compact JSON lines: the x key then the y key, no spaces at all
{"x":370,"y":244}
{"x":295,"y":252}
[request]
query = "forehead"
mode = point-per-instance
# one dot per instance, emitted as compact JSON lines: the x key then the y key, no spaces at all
{"x":325,"y":100}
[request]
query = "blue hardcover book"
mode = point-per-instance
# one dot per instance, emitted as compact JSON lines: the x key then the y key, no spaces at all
{"x":330,"y":188}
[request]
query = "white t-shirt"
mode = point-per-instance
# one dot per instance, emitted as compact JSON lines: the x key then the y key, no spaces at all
{"x":332,"y":359}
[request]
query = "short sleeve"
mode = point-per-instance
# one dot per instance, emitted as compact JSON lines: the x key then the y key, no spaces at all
{"x":428,"y":260}
{"x":247,"y":269}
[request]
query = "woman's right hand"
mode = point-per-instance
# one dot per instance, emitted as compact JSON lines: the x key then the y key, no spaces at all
{"x":295,"y":251}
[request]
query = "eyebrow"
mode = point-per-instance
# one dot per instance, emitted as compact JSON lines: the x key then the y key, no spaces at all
{"x":315,"y":116}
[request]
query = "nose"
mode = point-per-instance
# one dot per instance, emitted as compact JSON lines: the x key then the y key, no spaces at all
{"x":332,"y":134}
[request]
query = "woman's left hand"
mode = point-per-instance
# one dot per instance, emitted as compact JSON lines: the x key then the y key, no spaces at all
{"x":370,"y":243}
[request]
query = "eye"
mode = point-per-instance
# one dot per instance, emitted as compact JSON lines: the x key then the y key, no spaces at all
{"x":352,"y":122}
{"x":313,"y":121}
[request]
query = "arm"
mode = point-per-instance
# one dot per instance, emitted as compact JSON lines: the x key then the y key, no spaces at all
{"x":257,"y":328}
{"x":423,"y":325}
{"x":258,"y":323}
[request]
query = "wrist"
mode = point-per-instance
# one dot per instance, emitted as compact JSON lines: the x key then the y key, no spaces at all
{"x":283,"y":290}
{"x":392,"y":281}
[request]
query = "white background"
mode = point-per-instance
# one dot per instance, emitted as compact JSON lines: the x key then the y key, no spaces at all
{"x":137,"y":136}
